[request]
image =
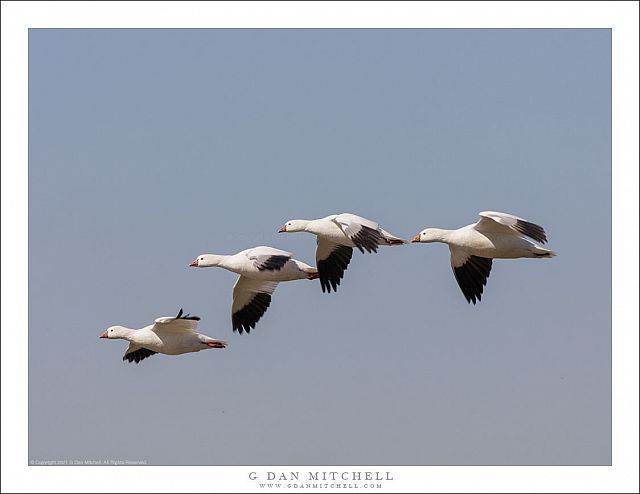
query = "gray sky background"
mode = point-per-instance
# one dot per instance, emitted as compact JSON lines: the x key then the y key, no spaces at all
{"x":148,"y":147}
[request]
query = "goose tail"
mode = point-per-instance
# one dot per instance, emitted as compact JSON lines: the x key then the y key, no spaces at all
{"x":388,"y":239}
{"x":542,"y":252}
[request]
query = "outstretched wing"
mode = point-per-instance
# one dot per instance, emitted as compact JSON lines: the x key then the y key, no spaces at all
{"x":137,"y":353}
{"x":332,"y":261}
{"x":251,"y":299}
{"x":471,"y":273}
{"x":180,"y":323}
{"x":365,"y":234}
{"x":268,"y":259}
{"x":491,"y":221}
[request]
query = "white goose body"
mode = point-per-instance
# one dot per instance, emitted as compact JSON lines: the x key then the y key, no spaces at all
{"x":337,"y":235}
{"x":260,"y":269}
{"x":334,"y":228}
{"x":167,"y":335}
{"x":329,"y":230}
{"x":169,"y":344}
{"x":494,"y":245}
{"x":495,"y":236}
{"x":244,"y":263}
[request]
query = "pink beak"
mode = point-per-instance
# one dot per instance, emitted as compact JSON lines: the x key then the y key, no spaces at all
{"x":283,"y":229}
{"x":416,"y":238}
{"x":194,"y":263}
{"x":103,"y":335}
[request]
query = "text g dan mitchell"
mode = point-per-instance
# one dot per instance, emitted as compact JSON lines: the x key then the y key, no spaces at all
{"x":318,"y":476}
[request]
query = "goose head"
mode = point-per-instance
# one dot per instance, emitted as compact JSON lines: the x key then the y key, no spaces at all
{"x":205,"y":261}
{"x":114,"y":332}
{"x":427,"y":236}
{"x":294,"y":226}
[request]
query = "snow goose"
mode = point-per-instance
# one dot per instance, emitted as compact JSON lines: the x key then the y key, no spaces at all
{"x":168,"y":335}
{"x":495,"y":236}
{"x":336,"y":236}
{"x":260,"y":270}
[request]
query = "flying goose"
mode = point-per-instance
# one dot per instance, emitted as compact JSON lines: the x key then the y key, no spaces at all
{"x":168,"y":335}
{"x":495,"y":236}
{"x":260,"y":269}
{"x":336,"y":236}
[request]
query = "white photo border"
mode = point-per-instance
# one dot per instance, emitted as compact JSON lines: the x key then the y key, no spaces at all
{"x":621,"y":17}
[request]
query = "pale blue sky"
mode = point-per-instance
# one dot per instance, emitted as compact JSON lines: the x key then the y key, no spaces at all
{"x":148,"y":147}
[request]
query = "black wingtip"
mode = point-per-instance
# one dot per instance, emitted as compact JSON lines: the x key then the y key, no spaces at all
{"x":536,"y":232}
{"x":331,"y":270}
{"x":138,"y":355}
{"x":187,"y":316}
{"x":241,"y":329}
{"x":248,"y":316}
{"x":273,"y":263}
{"x":367,"y":239}
{"x":472,"y":277}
